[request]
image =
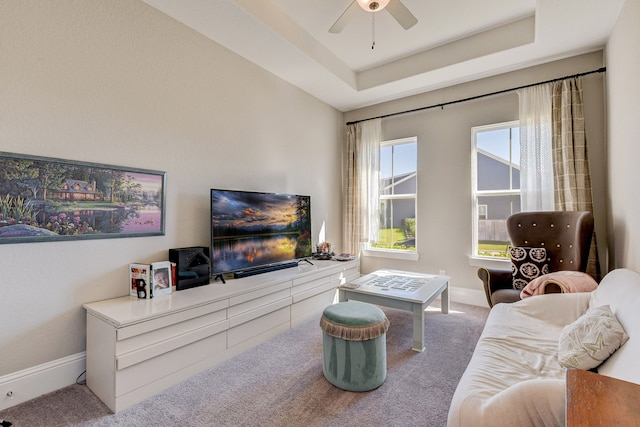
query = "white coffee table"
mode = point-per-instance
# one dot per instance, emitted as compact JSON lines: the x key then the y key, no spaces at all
{"x":403,"y":290}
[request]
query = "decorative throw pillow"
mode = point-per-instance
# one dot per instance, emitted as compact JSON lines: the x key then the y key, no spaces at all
{"x":590,"y":340}
{"x":527,"y":264}
{"x":559,"y":282}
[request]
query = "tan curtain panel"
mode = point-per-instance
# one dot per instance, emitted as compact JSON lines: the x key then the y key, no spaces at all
{"x":351,"y":206}
{"x":362,"y":165}
{"x":572,"y":180}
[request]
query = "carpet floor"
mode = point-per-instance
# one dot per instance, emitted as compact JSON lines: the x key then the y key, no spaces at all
{"x":280,"y":383}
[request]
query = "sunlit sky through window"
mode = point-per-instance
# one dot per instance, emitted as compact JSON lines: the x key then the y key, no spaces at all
{"x":496,"y":142}
{"x":405,"y":157}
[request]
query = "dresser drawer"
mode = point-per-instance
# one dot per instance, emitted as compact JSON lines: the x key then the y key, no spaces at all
{"x":255,"y":303}
{"x":257,"y":326}
{"x":258,"y":293}
{"x":349,"y":275}
{"x":169,"y":319}
{"x":340,"y":272}
{"x":308,"y":286}
{"x":168,"y":333}
{"x":315,"y":290}
{"x":318,"y":275}
{"x":302,"y":287}
{"x":261,"y":310}
{"x":131,"y":358}
{"x":151,"y":370}
{"x":312,"y":307}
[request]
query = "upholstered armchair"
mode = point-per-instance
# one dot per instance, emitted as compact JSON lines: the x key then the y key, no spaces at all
{"x":566,"y":236}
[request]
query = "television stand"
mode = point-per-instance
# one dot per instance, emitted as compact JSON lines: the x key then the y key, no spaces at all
{"x":265,"y":269}
{"x":137,"y":348}
{"x":305,"y":260}
{"x":219,"y":276}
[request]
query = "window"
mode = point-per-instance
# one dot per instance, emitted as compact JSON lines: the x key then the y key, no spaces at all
{"x":398,"y":189}
{"x":482,"y":211}
{"x":495,"y":186}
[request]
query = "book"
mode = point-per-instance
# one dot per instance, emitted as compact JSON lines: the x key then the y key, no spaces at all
{"x":140,"y":280}
{"x":149,"y":280}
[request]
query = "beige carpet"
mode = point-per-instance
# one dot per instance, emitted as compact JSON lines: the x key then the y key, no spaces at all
{"x":280,"y":383}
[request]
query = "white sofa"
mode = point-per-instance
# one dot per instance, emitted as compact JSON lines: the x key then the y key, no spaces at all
{"x":514,"y":377}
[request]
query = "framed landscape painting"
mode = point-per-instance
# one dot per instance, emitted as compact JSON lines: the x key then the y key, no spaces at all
{"x":46,"y":199}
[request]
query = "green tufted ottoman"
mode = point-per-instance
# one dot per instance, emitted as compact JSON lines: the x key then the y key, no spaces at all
{"x":354,"y":345}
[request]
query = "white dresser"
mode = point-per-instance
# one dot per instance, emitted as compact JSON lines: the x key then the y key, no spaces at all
{"x":137,"y":348}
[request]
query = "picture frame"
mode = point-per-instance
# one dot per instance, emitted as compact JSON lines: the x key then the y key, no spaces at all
{"x":150,"y":280}
{"x":45,"y":199}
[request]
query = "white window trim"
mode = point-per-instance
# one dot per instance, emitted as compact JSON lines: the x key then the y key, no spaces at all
{"x":397,"y":253}
{"x":476,"y":260}
{"x":489,"y":262}
{"x":392,"y":253}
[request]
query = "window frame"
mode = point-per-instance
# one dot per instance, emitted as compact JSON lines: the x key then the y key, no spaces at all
{"x":477,"y":259}
{"x":398,"y":253}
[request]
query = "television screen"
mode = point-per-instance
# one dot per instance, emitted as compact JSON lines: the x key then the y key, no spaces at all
{"x":252,"y":230}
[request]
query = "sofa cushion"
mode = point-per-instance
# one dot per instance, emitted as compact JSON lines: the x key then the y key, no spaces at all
{"x":559,"y":282}
{"x":620,"y":289}
{"x":527,"y":264}
{"x":590,"y":340}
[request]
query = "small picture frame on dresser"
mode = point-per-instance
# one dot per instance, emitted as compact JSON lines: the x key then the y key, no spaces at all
{"x":161,"y":280}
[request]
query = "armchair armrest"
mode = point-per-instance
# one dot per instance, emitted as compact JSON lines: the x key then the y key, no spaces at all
{"x":494,"y":279}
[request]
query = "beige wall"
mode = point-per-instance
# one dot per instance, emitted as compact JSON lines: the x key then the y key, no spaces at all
{"x":623,"y":118}
{"x":118,"y":82}
{"x":444,"y":159}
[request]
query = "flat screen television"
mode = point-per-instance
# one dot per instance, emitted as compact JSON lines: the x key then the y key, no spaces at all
{"x":253,"y":232}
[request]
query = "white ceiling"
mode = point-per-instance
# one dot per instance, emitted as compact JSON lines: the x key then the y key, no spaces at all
{"x":454,"y":41}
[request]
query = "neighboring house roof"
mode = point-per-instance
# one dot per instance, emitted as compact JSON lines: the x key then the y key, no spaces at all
{"x":393,"y":181}
{"x":498,"y":158}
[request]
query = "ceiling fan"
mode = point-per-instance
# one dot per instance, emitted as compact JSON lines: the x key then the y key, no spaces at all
{"x":395,"y":7}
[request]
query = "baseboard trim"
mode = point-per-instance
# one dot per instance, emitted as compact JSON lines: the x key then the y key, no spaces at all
{"x":468,"y":296}
{"x":21,"y":386}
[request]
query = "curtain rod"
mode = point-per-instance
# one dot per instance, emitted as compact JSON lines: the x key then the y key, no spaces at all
{"x":442,"y":105}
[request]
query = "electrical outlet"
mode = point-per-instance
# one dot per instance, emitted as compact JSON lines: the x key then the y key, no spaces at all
{"x":442,"y":273}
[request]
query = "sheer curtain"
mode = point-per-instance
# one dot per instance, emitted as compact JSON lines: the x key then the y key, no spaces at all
{"x":361,"y":198}
{"x":536,"y":166}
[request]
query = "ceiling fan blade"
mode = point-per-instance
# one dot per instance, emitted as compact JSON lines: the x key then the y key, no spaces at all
{"x":401,"y":14}
{"x":344,"y":19}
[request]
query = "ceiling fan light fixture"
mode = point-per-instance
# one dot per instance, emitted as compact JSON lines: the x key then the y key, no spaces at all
{"x":373,"y":5}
